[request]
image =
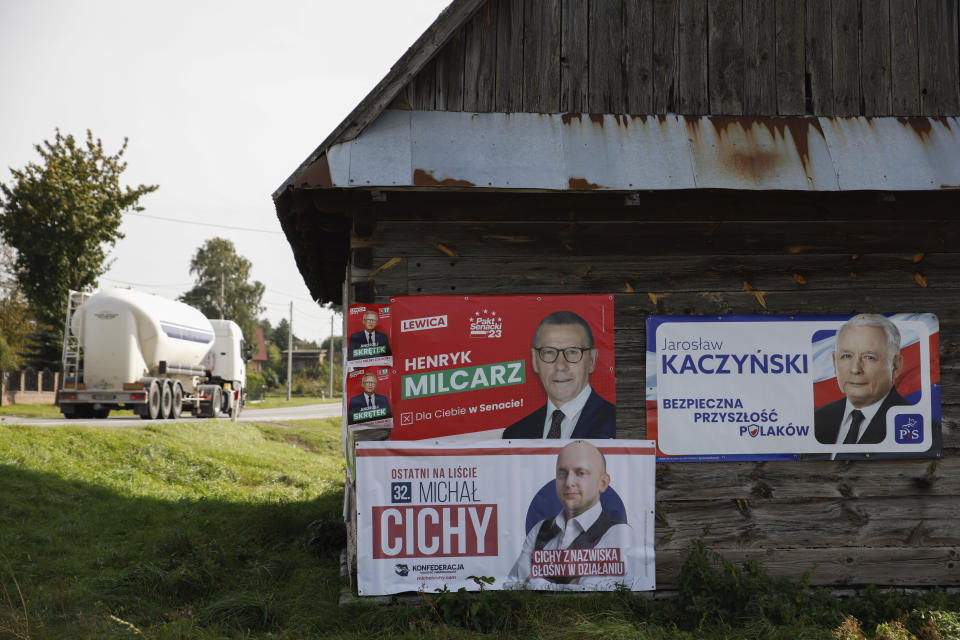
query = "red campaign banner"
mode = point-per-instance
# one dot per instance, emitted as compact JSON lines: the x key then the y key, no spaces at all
{"x":368,"y":397}
{"x":369,"y":329}
{"x":462,"y":364}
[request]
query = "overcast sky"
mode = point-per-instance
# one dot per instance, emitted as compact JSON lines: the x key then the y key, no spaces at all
{"x":221,"y":102}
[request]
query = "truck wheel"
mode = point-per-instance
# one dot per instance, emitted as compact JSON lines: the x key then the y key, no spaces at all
{"x":166,"y":399}
{"x":237,"y":406}
{"x":153,"y":402}
{"x":216,"y":402}
{"x":176,"y":407}
{"x":101,"y":414}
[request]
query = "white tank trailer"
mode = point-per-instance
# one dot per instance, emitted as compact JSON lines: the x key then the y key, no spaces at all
{"x":153,"y":355}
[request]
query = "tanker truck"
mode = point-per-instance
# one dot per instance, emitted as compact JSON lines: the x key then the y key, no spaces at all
{"x":124,"y":349}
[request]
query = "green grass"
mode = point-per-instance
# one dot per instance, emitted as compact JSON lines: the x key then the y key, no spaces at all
{"x":219,"y":530}
{"x":31,"y":410}
{"x":274,"y":401}
{"x":45,"y":411}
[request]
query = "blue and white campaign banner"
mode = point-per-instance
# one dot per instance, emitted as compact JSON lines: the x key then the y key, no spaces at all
{"x":553,"y":515}
{"x":794,"y":387}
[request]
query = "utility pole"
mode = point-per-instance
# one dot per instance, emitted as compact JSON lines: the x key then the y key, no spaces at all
{"x":330,"y":350}
{"x":290,"y":354}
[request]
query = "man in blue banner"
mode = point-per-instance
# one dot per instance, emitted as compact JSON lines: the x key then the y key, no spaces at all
{"x":867,"y":361}
{"x":581,"y":524}
{"x":368,"y":405}
{"x":368,"y":337}
{"x":564,"y":356}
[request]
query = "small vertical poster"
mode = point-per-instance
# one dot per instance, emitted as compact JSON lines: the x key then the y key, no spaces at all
{"x":368,"y":397}
{"x":369,"y":329}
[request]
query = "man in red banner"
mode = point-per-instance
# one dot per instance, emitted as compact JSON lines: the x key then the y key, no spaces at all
{"x":581,"y":524}
{"x":368,"y":402}
{"x":564,"y":356}
{"x":368,"y":337}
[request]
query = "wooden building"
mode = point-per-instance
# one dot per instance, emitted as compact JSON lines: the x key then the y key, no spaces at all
{"x":692,"y":157}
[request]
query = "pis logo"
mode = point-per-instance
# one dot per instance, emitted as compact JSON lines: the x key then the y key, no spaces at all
{"x":908,"y":428}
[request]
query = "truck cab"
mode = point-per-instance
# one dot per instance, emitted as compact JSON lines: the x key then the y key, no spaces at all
{"x":228,"y":364}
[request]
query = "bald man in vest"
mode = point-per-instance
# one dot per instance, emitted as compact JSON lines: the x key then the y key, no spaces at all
{"x":581,"y":476}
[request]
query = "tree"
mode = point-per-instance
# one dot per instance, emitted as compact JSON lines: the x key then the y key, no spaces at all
{"x":62,"y":216}
{"x":223,"y":288}
{"x":16,"y":319}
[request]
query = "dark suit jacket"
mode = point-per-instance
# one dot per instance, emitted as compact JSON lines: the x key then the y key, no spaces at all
{"x":359,"y":403}
{"x":826,"y":420}
{"x":826,"y":426}
{"x":359,"y":339}
{"x":597,"y":420}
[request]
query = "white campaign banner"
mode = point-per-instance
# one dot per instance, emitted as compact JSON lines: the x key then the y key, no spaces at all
{"x":544,"y":514}
{"x":765,"y":387}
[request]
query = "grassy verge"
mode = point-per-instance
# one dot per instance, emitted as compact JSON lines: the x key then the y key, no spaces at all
{"x":220,"y":530}
{"x":45,"y":411}
{"x":273,"y":401}
{"x":200,"y":530}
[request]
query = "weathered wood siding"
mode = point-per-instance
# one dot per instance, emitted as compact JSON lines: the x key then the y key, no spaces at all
{"x":886,"y":522}
{"x":696,"y":57}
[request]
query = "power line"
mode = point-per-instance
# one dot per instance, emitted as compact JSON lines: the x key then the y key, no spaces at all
{"x":207,"y":224}
{"x":143,"y":284}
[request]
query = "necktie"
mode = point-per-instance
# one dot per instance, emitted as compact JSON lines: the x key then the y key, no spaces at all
{"x":555,"y":421}
{"x":369,"y":338}
{"x":856,"y":419}
{"x":370,"y":402}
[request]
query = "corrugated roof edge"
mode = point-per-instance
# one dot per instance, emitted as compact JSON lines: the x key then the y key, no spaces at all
{"x":401,"y":73}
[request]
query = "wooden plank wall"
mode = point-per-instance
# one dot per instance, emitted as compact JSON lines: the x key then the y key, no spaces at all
{"x":696,"y":57}
{"x":885,"y":522}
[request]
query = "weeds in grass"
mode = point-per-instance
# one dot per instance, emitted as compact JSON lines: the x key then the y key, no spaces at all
{"x":14,"y":617}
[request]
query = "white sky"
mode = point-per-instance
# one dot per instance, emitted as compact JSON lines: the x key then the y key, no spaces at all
{"x":221,"y":102}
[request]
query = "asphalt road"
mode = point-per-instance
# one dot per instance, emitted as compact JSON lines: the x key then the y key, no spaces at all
{"x":306,"y":412}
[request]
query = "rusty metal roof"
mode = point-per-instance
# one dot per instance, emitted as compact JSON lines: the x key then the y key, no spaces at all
{"x":579,"y":152}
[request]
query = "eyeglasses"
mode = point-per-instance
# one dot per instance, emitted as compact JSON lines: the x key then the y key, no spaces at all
{"x":570,"y":354}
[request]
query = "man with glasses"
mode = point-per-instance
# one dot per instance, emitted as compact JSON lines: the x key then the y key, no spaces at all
{"x":564,"y":356}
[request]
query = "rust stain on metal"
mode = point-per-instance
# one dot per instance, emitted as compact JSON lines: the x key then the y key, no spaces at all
{"x":389,"y":264}
{"x":917,"y":257}
{"x":855,"y":256}
{"x":567,"y":118}
{"x":922,"y":127}
{"x":692,"y":124}
{"x":653,"y":297}
{"x":799,"y":278}
{"x":754,"y":164}
{"x":596,"y":118}
{"x":950,"y":186}
{"x":919,"y":279}
{"x":800,"y":248}
{"x":445,"y":250}
{"x":799,"y":128}
{"x":582,"y":184}
{"x":628,"y":288}
{"x":422,"y":178}
{"x":568,"y":247}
